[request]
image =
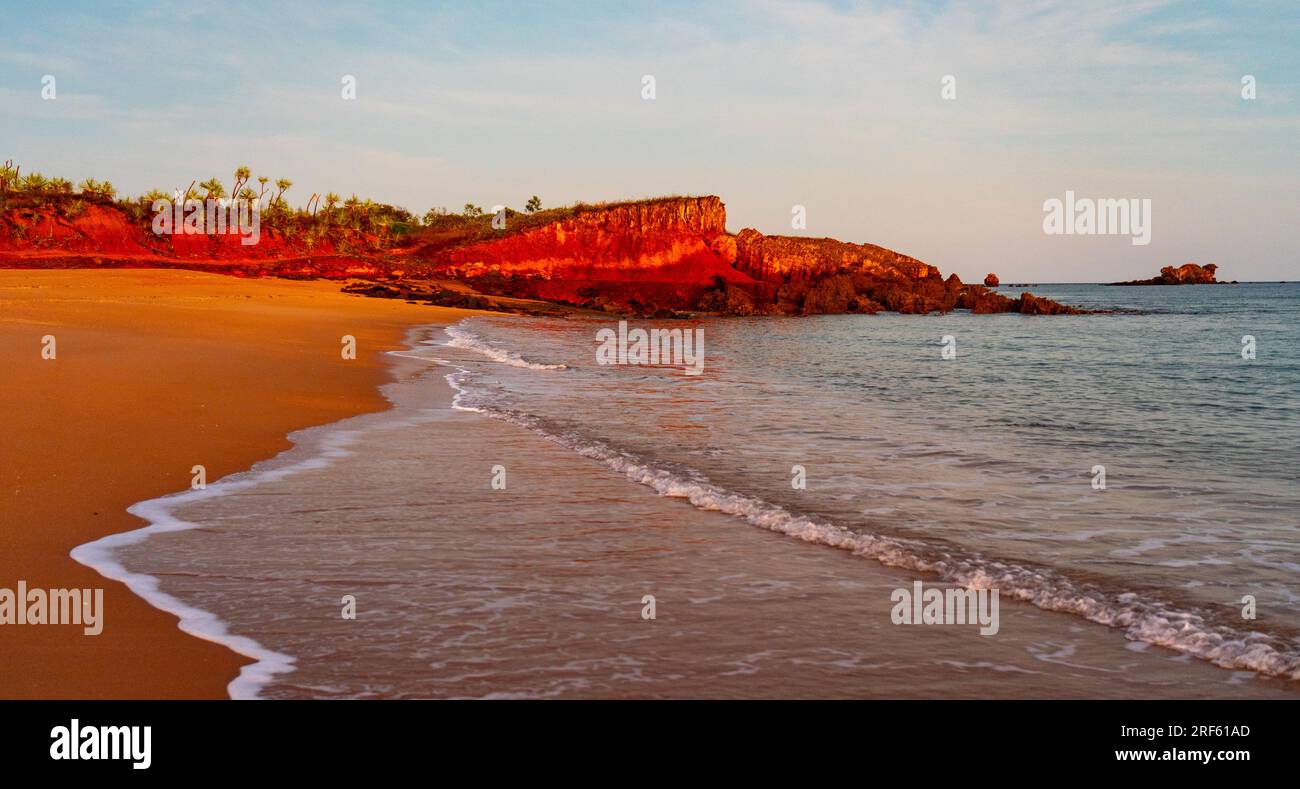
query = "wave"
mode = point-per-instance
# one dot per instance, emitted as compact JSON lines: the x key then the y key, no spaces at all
{"x":463,"y":338}
{"x":159,"y":513}
{"x":1149,"y":621}
{"x":323,"y":446}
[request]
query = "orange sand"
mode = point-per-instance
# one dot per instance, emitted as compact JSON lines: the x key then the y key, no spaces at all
{"x":156,"y":371}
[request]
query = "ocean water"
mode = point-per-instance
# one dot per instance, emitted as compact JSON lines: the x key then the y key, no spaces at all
{"x":624,"y":481}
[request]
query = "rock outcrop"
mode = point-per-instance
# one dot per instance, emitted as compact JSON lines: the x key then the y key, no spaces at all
{"x":822,"y":275}
{"x":784,"y":258}
{"x":1186,"y":274}
{"x":991,"y":280}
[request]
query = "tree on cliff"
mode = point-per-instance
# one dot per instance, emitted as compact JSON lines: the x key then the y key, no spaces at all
{"x":103,"y":189}
{"x":214,"y":189}
{"x":8,"y":174}
{"x":242,"y":174}
{"x":533,"y":205}
{"x":282,"y":185}
{"x":472,"y":211}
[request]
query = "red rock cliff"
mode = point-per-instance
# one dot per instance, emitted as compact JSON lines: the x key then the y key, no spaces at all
{"x":658,"y":253}
{"x":78,"y":233}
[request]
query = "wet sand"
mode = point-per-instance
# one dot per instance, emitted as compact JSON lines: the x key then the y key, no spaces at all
{"x":155,"y":372}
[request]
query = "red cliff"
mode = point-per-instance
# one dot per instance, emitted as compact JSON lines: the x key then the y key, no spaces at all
{"x":645,"y":255}
{"x":63,"y":231}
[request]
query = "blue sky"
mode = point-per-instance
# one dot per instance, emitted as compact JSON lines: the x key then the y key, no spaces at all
{"x":833,"y":106}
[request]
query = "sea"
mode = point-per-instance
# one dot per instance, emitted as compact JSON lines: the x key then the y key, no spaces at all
{"x":528,"y":521}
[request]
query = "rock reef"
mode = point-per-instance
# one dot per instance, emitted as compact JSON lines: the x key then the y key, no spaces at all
{"x":1186,"y":274}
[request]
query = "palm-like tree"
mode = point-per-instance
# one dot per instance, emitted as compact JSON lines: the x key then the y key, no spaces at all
{"x":351,"y":217}
{"x":35,"y":182}
{"x":282,"y":185}
{"x":242,"y":174}
{"x":214,"y":189}
{"x":8,"y":174}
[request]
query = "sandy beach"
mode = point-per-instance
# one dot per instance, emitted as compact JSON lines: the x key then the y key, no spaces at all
{"x":155,"y":372}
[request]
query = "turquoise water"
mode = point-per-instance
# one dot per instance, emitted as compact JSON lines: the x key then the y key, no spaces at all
{"x":981,"y":469}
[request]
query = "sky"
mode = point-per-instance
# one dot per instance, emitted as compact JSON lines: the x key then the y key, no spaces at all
{"x":834,"y":106}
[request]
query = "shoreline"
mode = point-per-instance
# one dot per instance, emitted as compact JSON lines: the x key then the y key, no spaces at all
{"x":322,"y":445}
{"x":157,"y":372}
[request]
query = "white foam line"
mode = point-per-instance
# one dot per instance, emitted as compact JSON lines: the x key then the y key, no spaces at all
{"x":1147,"y":621}
{"x":463,"y":338}
{"x":99,"y":556}
{"x":159,"y":513}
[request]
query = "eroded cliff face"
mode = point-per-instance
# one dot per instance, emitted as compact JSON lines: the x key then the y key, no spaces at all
{"x":66,"y":234}
{"x":639,"y":257}
{"x":624,"y":241}
{"x":90,"y":229}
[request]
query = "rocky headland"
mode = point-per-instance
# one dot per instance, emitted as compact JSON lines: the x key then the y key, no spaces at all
{"x":662,"y":257}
